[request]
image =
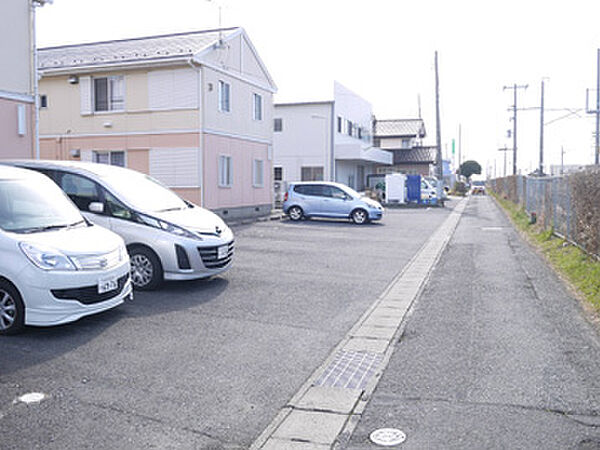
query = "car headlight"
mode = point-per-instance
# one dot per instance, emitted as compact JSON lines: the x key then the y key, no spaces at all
{"x":166,"y":226}
{"x":47,"y":258}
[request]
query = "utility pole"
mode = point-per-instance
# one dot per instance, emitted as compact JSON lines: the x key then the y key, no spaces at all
{"x":504,"y":150}
{"x":459,"y":148}
{"x":597,"y":149}
{"x":515,"y":87}
{"x":562,"y":160}
{"x":541,"y":167}
{"x":440,"y":163}
{"x":596,"y":111}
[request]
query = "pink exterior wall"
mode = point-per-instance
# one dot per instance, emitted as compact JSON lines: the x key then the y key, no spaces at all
{"x":58,"y":148}
{"x":242,"y":192}
{"x":12,"y":145}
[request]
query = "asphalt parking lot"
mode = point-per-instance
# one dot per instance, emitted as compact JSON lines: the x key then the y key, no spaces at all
{"x":206,"y":364}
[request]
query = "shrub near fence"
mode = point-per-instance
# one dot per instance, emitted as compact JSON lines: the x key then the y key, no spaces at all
{"x":569,"y":205}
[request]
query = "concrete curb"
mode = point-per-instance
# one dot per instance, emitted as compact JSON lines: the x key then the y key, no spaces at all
{"x":327,"y":408}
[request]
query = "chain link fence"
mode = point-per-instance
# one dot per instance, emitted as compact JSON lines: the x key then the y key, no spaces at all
{"x":569,"y":205}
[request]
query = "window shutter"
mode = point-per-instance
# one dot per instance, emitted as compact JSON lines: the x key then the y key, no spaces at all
{"x":177,"y":88}
{"x":185,"y":88}
{"x":85,"y":90}
{"x":175,"y":167}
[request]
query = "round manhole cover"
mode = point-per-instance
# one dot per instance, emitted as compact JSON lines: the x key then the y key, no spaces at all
{"x":387,"y":437}
{"x":32,"y":397}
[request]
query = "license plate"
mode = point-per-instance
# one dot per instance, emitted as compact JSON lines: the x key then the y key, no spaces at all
{"x":222,"y":252}
{"x":108,"y":284}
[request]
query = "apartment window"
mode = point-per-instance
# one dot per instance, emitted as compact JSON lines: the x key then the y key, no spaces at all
{"x":225,"y":171}
{"x":224,"y":96}
{"x":340,"y":122}
{"x":110,"y":158}
{"x":360,"y":135}
{"x":258,"y":173}
{"x":43,"y":101}
{"x":258,"y":107}
{"x":109,"y":93}
{"x":405,"y":143}
{"x":277,"y":173}
{"x":312,"y":173}
{"x":278,"y":125}
{"x":349,"y":128}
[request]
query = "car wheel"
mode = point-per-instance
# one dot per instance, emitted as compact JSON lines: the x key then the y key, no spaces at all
{"x":12,"y":310}
{"x":360,"y":216}
{"x":295,"y":213}
{"x":146,"y":270}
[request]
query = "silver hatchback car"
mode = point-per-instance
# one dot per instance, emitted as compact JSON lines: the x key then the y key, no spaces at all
{"x":328,"y":199}
{"x":167,"y":237}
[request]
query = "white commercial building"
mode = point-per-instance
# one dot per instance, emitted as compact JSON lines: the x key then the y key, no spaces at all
{"x":330,"y":140}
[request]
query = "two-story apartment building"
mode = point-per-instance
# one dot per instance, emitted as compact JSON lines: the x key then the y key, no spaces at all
{"x":327,"y":140}
{"x":404,"y":139}
{"x":16,"y":80}
{"x":193,"y":110}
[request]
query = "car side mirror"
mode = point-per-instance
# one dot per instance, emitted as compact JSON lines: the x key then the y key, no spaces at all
{"x":96,"y":207}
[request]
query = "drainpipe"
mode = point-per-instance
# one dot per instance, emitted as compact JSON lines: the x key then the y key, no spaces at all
{"x":33,"y":5}
{"x":332,"y":140}
{"x":36,"y":101}
{"x":200,"y":122}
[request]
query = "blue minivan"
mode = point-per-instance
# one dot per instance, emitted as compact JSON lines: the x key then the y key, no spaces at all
{"x":327,"y":199}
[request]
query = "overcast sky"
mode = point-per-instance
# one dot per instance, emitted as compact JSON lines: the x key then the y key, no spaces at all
{"x":384,"y":51}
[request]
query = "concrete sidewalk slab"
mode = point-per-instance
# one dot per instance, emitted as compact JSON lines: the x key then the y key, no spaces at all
{"x":311,"y":426}
{"x":329,"y":399}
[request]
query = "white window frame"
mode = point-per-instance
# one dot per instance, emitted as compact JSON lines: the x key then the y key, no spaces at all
{"x":257,"y":107}
{"x":225,"y":168}
{"x":109,"y":153}
{"x":226,"y":108}
{"x":109,"y":93}
{"x":258,"y":173}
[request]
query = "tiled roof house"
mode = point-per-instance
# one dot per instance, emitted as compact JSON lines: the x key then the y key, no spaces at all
{"x":404,"y":137}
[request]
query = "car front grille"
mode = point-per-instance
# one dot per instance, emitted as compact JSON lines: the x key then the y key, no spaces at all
{"x":209,"y":256}
{"x":96,"y":262}
{"x":88,"y":295}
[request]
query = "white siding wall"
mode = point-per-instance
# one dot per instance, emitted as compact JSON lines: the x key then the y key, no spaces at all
{"x":15,"y":47}
{"x":351,"y":106}
{"x":304,"y":141}
{"x":239,"y":120}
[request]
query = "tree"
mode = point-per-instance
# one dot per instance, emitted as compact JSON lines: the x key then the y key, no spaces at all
{"x":469,"y":168}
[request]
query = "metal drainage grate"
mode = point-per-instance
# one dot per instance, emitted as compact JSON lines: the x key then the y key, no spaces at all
{"x":350,"y":369}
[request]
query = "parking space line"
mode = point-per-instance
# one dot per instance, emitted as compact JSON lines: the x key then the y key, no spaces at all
{"x":328,"y":406}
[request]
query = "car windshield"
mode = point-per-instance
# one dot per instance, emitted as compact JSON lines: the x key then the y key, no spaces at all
{"x":145,"y":193}
{"x":34,"y":205}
